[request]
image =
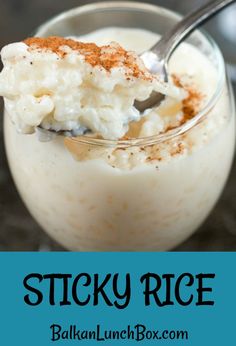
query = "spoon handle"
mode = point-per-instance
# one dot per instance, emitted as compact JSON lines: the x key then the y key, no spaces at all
{"x":171,"y":39}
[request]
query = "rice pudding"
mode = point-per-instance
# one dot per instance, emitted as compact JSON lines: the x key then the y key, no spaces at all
{"x":127,"y":191}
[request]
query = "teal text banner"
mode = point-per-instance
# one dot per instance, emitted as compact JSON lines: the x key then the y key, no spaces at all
{"x":117,"y":298}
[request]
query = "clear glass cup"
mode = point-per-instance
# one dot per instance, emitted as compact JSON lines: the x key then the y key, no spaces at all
{"x":88,"y":204}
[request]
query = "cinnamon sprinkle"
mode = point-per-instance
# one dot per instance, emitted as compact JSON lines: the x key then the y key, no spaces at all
{"x":190,"y":107}
{"x":108,"y":57}
{"x":191,"y":104}
{"x":178,"y":149}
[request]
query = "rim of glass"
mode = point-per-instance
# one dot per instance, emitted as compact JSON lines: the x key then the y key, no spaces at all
{"x":155,"y":139}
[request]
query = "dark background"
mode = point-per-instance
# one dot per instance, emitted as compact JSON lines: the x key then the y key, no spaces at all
{"x":18,"y":231}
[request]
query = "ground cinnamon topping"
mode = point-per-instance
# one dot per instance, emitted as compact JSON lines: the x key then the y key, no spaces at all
{"x":190,"y":107}
{"x":191,"y":104}
{"x":108,"y":57}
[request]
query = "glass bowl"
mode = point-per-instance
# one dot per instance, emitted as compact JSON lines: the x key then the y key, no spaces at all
{"x":88,"y":204}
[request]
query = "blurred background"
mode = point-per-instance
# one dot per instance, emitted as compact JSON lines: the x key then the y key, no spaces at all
{"x":18,"y":231}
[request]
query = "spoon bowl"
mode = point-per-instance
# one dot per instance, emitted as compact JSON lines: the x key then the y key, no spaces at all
{"x":156,"y":59}
{"x":157,"y":67}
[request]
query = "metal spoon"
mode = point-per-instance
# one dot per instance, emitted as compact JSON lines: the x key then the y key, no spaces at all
{"x":156,"y":59}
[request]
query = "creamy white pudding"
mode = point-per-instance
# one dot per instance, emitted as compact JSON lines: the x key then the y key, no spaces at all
{"x":148,"y":195}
